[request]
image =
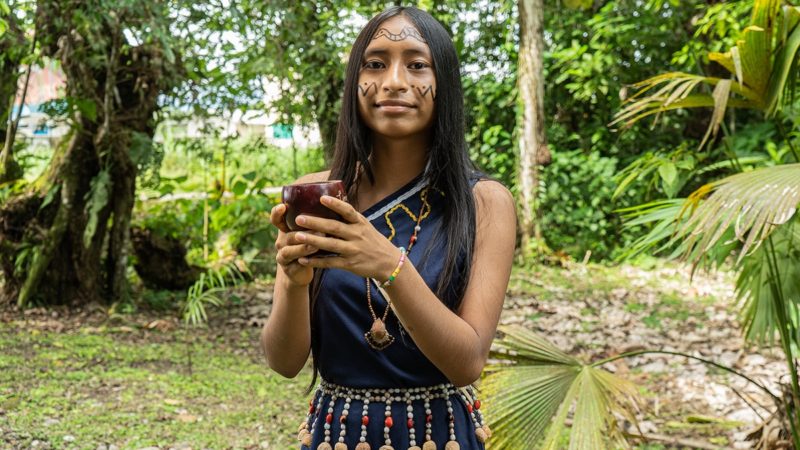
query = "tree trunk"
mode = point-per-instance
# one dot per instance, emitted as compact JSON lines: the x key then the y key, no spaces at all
{"x":532,"y":141}
{"x":67,"y":240}
{"x":12,"y":49}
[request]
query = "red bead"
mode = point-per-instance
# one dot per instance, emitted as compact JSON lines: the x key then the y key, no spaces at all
{"x":329,"y":418}
{"x":342,"y":419}
{"x":469,"y":408}
{"x":388,"y":422}
{"x":364,"y":420}
{"x":410,"y":423}
{"x":477,"y":404}
{"x":429,"y":418}
{"x":311,"y":409}
{"x":413,"y":239}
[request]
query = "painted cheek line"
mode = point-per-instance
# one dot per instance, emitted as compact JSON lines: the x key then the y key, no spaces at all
{"x":365,"y":88}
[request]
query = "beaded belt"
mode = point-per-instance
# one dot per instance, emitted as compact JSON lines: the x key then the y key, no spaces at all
{"x":388,"y":396}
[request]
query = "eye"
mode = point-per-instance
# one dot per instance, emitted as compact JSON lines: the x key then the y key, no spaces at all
{"x":372,"y":65}
{"x":418,"y":65}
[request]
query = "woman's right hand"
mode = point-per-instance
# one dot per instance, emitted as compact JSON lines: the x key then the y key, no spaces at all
{"x":290,"y":249}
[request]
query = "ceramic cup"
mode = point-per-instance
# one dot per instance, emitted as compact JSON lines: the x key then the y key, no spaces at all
{"x":303,"y":199}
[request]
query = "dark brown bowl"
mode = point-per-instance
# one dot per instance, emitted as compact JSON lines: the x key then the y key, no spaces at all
{"x":304,"y":199}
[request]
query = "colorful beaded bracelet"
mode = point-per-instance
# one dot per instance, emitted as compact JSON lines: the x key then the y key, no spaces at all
{"x":394,"y":274}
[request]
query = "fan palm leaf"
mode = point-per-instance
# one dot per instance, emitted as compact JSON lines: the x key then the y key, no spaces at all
{"x":752,"y":203}
{"x":534,"y":386}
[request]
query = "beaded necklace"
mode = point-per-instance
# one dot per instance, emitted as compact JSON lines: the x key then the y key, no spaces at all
{"x":378,"y":336}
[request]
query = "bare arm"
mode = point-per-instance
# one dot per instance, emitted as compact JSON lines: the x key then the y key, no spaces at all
{"x":286,"y":336}
{"x":458,"y":343}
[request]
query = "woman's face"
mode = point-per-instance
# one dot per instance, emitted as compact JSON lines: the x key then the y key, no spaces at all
{"x":396,"y":83}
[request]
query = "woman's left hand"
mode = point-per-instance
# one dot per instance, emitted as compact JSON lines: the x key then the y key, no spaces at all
{"x":359,"y":247}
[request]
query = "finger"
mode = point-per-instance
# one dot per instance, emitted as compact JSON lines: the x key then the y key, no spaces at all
{"x":292,"y":253}
{"x":323,"y":242}
{"x":346,"y":210}
{"x":324,"y":262}
{"x":321,"y":226}
{"x":276,"y":216}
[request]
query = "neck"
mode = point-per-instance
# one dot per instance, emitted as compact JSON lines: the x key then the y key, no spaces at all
{"x":396,"y":162}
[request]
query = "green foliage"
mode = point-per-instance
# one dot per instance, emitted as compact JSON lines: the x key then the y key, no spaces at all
{"x":534,"y":383}
{"x":578,"y":205}
{"x":209,"y":290}
{"x":96,"y":200}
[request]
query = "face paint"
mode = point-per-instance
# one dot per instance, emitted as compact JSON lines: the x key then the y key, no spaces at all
{"x":405,"y":33}
{"x":365,"y":87}
{"x":394,"y":81}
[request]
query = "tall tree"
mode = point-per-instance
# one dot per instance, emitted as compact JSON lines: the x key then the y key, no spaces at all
{"x":66,"y":237}
{"x":532,"y":140}
{"x":13,"y":49}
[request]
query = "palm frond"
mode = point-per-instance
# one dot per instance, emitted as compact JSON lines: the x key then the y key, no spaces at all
{"x":752,"y":203}
{"x":535,"y":386}
{"x":785,"y":61}
{"x":753,"y":286}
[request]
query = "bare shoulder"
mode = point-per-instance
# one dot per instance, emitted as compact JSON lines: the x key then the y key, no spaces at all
{"x":313,"y":177}
{"x":491,"y":197}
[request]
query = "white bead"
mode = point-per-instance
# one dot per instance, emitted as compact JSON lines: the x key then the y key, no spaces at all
{"x":410,"y":415}
{"x":387,"y":413}
{"x":409,"y":408}
{"x":342,"y":433}
{"x":452,"y":437}
{"x":362,"y":439}
{"x":327,"y":426}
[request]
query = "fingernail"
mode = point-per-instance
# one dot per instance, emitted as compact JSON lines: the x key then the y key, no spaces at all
{"x":301,"y":236}
{"x":300,"y":220}
{"x":325,"y":199}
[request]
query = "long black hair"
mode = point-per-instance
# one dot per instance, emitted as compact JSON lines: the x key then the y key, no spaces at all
{"x":449,"y":168}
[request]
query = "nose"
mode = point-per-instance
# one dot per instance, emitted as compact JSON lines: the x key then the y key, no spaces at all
{"x":395,"y":80}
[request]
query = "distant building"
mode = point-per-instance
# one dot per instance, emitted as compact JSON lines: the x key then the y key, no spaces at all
{"x":48,"y":83}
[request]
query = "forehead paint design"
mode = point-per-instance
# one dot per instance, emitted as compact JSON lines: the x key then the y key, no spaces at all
{"x":407,"y":32}
{"x":364,"y":88}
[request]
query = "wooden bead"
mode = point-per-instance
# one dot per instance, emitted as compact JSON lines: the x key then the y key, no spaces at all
{"x":481,"y":435}
{"x":302,"y":434}
{"x":362,"y":446}
{"x":429,"y":445}
{"x":306,"y":440}
{"x":452,"y":445}
{"x":414,"y":448}
{"x":386,"y":447}
{"x":488,"y":431}
{"x":324,"y":446}
{"x":303,"y":426}
{"x":340,"y":446}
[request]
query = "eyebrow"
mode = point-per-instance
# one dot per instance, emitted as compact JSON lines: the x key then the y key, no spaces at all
{"x":407,"y":52}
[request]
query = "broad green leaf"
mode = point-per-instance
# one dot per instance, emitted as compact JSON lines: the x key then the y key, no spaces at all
{"x":535,"y":387}
{"x":96,"y":199}
{"x":668,"y":172}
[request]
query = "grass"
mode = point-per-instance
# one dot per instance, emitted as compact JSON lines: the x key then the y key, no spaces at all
{"x":135,"y":389}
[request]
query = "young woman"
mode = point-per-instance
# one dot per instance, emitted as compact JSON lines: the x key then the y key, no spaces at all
{"x":400,"y":321}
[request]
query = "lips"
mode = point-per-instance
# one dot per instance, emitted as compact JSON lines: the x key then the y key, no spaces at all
{"x":394,"y":106}
{"x":394,"y":103}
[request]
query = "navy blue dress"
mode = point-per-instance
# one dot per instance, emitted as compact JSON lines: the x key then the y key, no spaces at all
{"x":341,"y":317}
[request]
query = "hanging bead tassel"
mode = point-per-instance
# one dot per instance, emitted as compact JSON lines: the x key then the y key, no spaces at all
{"x":329,"y":423}
{"x":362,"y":441}
{"x":429,"y":444}
{"x":343,"y":422}
{"x":412,"y":434}
{"x":472,"y":408}
{"x":387,"y":423}
{"x":452,"y":444}
{"x":324,"y":446}
{"x":313,"y":413}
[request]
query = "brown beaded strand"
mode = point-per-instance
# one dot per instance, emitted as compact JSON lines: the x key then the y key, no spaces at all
{"x":378,"y":337}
